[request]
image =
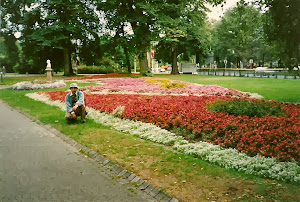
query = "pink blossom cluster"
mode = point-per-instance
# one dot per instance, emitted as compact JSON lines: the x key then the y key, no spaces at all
{"x":140,"y":86}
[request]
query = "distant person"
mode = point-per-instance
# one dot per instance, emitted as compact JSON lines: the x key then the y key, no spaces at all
{"x":75,"y":104}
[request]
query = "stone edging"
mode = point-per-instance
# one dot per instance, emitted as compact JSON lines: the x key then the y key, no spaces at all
{"x":115,"y":168}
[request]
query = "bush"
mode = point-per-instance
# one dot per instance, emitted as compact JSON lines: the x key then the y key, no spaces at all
{"x":148,"y":73}
{"x":94,"y":70}
{"x":252,"y":108}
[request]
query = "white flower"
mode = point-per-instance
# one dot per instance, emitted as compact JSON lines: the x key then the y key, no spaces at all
{"x":35,"y":85}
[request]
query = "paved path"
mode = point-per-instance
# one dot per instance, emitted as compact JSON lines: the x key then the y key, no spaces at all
{"x":4,"y":87}
{"x":35,"y":165}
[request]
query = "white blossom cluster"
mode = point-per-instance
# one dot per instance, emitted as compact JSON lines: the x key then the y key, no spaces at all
{"x":26,"y":85}
{"x":231,"y":158}
{"x":228,"y":158}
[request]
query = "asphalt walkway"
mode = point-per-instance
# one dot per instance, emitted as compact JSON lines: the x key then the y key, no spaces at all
{"x":36,"y":165}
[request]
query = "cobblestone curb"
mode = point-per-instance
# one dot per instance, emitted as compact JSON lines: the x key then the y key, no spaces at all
{"x":115,"y":169}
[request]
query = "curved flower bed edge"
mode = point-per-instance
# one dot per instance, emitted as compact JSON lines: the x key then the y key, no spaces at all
{"x":227,"y":158}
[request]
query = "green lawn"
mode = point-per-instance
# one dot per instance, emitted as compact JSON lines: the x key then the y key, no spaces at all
{"x":181,"y":176}
{"x":285,"y":90}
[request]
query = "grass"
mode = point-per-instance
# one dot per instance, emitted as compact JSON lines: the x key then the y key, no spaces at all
{"x":182,"y":176}
{"x":285,"y":90}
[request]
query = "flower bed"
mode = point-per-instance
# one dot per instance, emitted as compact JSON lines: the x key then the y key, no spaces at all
{"x":228,"y":158}
{"x":144,"y":85}
{"x":267,"y":136}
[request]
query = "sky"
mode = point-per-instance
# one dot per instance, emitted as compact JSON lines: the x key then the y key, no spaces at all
{"x":218,"y":11}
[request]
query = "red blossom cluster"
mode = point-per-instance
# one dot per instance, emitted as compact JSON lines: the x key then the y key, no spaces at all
{"x":110,"y":75}
{"x":268,"y":136}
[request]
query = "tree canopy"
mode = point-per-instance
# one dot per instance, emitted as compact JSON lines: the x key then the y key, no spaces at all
{"x":172,"y":22}
{"x":52,"y":26}
{"x":60,"y":30}
{"x":282,"y":25}
{"x":239,"y":34}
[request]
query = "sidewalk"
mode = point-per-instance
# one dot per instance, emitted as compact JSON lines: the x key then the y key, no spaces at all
{"x":36,"y":165}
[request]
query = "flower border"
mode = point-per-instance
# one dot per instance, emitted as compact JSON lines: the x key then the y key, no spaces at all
{"x":228,"y":158}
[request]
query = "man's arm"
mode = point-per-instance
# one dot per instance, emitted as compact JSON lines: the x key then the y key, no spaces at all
{"x":68,"y":103}
{"x":80,"y":99}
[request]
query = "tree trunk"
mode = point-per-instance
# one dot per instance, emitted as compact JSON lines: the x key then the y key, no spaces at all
{"x":143,"y":62}
{"x":127,"y":59}
{"x":198,"y":58}
{"x":67,"y":63}
{"x":174,"y":62}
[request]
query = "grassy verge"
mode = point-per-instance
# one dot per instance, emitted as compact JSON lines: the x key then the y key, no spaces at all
{"x":286,"y":90}
{"x":182,"y":176}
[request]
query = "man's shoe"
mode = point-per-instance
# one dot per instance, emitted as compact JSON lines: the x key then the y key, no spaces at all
{"x":83,"y":121}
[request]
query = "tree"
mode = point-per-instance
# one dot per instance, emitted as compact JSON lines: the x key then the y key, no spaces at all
{"x":131,"y":24}
{"x":61,"y":24}
{"x":180,"y":24}
{"x":282,"y":25}
{"x":11,"y":13}
{"x":12,"y":50}
{"x":52,"y":26}
{"x":239,"y":34}
{"x":145,"y":20}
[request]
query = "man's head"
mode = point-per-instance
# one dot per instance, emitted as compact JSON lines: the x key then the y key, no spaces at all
{"x":73,"y":87}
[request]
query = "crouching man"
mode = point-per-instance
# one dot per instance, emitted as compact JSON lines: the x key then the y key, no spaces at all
{"x":75,"y":104}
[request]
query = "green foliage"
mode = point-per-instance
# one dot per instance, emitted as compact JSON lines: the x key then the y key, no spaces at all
{"x":177,"y":21}
{"x":50,"y":27}
{"x":94,"y":70}
{"x":148,"y":74}
{"x":281,"y":25}
{"x":238,"y":36}
{"x":105,"y":66}
{"x":181,"y":26}
{"x":10,"y":53}
{"x":90,"y":52}
{"x":249,"y":108}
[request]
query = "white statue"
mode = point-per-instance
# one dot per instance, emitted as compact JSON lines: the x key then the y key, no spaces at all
{"x":48,"y":71}
{"x":48,"y":64}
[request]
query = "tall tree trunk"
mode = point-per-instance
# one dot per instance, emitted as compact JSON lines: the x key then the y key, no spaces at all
{"x":67,"y":63}
{"x":198,"y":57}
{"x":143,"y":62}
{"x":174,"y":62}
{"x":127,"y":59}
